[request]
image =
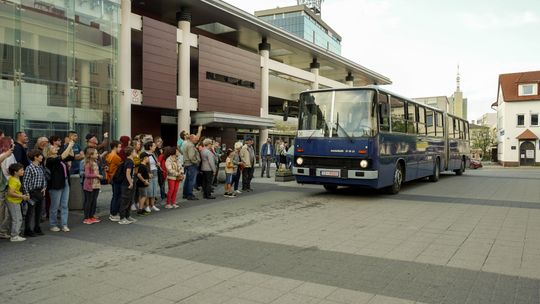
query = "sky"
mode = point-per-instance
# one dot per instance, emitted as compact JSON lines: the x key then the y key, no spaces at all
{"x":418,"y":44}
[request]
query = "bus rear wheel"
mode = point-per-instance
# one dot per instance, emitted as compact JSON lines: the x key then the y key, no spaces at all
{"x":461,"y":168}
{"x":330,"y":188}
{"x":436,"y":172}
{"x":397,"y":180}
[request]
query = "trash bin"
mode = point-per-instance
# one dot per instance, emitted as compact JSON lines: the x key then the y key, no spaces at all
{"x":76,"y":195}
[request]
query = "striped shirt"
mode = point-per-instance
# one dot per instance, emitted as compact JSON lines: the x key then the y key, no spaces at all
{"x":33,"y":179}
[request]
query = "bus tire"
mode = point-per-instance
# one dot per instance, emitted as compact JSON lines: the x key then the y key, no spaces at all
{"x":461,"y":168}
{"x":436,"y":172}
{"x":330,"y":188}
{"x":397,"y":180}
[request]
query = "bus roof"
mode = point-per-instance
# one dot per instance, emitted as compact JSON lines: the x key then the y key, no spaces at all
{"x":380,"y":89}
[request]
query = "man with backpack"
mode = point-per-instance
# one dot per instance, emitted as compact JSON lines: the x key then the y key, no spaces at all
{"x":114,"y":164}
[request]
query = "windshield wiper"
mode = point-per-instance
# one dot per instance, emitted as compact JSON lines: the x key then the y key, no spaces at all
{"x":343,"y":129}
{"x":311,"y":135}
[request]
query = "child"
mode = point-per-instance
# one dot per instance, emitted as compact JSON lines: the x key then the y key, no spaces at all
{"x":34,"y":185}
{"x":230,"y":169}
{"x":143,"y":181}
{"x":91,"y":185}
{"x":128,"y":187}
{"x":14,"y":199}
{"x":175,"y":174}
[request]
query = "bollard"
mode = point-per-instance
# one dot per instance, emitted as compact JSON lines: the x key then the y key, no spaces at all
{"x":76,"y":195}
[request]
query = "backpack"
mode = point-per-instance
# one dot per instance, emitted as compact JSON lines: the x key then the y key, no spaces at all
{"x":120,"y":174}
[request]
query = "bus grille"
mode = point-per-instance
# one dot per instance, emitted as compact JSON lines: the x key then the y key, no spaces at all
{"x":331,"y":162}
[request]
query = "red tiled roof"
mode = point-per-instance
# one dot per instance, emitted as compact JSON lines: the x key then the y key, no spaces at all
{"x":527,"y":134}
{"x":509,"y":84}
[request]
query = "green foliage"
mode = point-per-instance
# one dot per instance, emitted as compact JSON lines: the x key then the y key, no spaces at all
{"x":483,"y":139}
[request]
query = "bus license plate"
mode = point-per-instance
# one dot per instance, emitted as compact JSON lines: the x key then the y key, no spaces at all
{"x":330,"y":173}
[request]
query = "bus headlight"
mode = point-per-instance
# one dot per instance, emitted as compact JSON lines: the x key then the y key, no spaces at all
{"x":299,"y":161}
{"x":364,"y":163}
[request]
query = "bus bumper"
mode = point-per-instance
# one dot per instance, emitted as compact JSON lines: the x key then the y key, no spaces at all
{"x":339,"y":174}
{"x":318,"y":176}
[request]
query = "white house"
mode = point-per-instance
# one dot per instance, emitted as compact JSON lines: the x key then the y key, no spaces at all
{"x":518,"y":130}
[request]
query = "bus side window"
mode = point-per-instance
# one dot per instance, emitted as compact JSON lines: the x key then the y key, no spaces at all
{"x":430,"y":122}
{"x":384,"y":113}
{"x":397,"y":109}
{"x":455,"y":129}
{"x":421,"y":120}
{"x":411,"y":118}
{"x":439,"y":129}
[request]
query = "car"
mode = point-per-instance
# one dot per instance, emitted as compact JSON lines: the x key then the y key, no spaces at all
{"x":475,"y":164}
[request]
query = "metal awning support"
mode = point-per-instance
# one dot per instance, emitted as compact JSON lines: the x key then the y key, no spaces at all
{"x":219,"y":119}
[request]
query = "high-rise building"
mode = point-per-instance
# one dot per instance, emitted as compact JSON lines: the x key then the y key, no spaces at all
{"x":304,"y":20}
{"x":455,"y":104}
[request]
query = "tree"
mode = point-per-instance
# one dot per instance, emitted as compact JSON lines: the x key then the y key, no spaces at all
{"x":483,"y":139}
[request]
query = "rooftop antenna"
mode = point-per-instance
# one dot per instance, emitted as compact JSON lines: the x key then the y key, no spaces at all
{"x":314,"y":5}
{"x":458,"y":80}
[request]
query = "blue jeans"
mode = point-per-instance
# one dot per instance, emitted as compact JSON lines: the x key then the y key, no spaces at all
{"x":115,"y":200}
{"x":59,"y":200}
{"x":189,"y":182}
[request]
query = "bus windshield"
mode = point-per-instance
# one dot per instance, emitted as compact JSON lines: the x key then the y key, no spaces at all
{"x":336,"y":114}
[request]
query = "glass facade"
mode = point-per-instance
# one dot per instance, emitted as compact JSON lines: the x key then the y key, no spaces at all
{"x":58,"y":61}
{"x":306,"y":27}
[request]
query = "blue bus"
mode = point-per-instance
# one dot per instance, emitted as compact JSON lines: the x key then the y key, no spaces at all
{"x":369,"y":136}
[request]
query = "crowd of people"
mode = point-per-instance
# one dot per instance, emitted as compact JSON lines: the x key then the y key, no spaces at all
{"x":35,"y":183}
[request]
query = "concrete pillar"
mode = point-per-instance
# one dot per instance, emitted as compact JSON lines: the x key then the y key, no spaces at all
{"x":314,"y":67}
{"x":85,"y":83}
{"x":349,"y":80}
{"x":264,"y":50}
{"x":183,"y":18}
{"x":124,"y":108}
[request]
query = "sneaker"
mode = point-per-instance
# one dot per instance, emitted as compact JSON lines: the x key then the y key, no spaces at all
{"x":39,"y":232}
{"x":168,"y":206}
{"x":131,"y":219}
{"x":88,"y":221}
{"x":192,"y":198}
{"x":155,"y":208}
{"x":141,"y":212}
{"x":147,"y":209}
{"x":17,"y":239}
{"x":237,"y":191}
{"x":28,"y":234}
{"x":210,"y":197}
{"x":124,"y":222}
{"x":54,"y":229}
{"x":114,"y":218}
{"x":95,"y":220}
{"x":175,"y":206}
{"x":4,"y":236}
{"x":227,"y":194}
{"x":65,"y":229}
{"x":133,"y":207}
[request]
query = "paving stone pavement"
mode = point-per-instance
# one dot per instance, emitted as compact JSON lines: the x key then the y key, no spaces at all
{"x":468,"y":239}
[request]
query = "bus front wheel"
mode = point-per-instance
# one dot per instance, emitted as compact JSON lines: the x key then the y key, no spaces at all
{"x":436,"y":172}
{"x":330,"y":188}
{"x":397,"y":180}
